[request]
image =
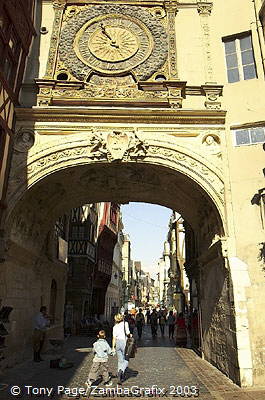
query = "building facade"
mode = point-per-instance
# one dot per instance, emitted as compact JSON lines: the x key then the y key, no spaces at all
{"x":165,"y":284}
{"x":82,"y":258}
{"x":178,"y":292}
{"x":107,"y":236}
{"x":16,"y":33}
{"x":126,"y":270}
{"x":114,"y":294}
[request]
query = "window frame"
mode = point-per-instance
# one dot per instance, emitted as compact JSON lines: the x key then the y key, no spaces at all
{"x":13,"y":55}
{"x":250,"y":143}
{"x":10,"y":29}
{"x":240,"y":66}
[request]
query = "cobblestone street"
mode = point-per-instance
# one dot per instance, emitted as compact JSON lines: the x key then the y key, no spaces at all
{"x":176,"y":372}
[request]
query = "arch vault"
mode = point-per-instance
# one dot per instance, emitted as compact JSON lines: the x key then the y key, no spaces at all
{"x":63,"y":159}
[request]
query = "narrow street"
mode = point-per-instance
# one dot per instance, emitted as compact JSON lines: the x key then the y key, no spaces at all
{"x":159,"y":370}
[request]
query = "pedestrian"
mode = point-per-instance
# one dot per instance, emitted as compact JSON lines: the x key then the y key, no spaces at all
{"x":40,"y":323}
{"x":99,"y":366}
{"x":171,"y":324}
{"x":195,"y":328}
{"x":131,"y":322}
{"x":140,"y":321}
{"x":126,"y":316}
{"x":120,"y":333}
{"x":153,"y":322}
{"x":148,"y":316}
{"x":162,"y":323}
{"x":181,"y":331}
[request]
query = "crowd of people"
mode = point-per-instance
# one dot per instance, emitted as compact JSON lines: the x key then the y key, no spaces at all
{"x":176,"y":324}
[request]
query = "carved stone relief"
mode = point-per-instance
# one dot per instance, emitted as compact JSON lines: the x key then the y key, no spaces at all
{"x":109,"y":91}
{"x":211,"y":144}
{"x":118,"y":146}
{"x":24,"y":140}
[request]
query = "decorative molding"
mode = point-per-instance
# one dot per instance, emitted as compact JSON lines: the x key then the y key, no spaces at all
{"x":172,"y":9}
{"x":176,"y":93}
{"x":58,"y":6}
{"x":204,"y":9}
{"x":59,"y":3}
{"x":212,"y":93}
{"x":115,"y":146}
{"x":94,"y":92}
{"x":119,"y":115}
{"x":165,"y":93}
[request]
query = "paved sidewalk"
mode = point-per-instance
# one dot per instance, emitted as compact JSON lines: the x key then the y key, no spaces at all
{"x":158,"y":369}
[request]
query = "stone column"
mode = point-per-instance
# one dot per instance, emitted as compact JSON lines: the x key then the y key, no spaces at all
{"x":172,"y":10}
{"x":241,"y":281}
{"x":58,"y":6}
{"x":204,"y":10}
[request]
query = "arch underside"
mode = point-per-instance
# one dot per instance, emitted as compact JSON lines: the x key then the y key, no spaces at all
{"x":50,"y":197}
{"x":57,"y":175}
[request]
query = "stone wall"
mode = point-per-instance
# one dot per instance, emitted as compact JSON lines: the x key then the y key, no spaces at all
{"x":25,"y":286}
{"x":218,"y":319}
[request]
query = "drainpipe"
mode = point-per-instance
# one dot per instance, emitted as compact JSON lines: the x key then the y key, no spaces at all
{"x":259,"y":29}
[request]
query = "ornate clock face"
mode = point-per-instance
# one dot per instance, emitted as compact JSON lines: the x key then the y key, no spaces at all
{"x":113,"y":40}
{"x":113,"y":43}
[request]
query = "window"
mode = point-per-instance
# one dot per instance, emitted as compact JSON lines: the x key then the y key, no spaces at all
{"x":249,"y":136}
{"x":78,"y":232}
{"x":239,"y":56}
{"x":10,"y":49}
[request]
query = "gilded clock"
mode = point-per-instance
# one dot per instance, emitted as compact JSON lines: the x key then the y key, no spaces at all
{"x":113,"y":40}
{"x":113,"y":43}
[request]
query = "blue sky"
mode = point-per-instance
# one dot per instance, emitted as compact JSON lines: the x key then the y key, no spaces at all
{"x":147,"y":225}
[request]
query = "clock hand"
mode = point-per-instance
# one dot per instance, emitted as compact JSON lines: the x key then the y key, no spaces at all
{"x":113,"y":42}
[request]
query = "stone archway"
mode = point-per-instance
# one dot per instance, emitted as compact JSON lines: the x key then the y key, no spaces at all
{"x":117,"y":149}
{"x":122,"y":165}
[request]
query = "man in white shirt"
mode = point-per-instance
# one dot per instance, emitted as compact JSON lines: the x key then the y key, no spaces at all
{"x":40,"y":324}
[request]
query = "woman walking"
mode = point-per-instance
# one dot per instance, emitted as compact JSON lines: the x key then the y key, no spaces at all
{"x":171,"y":324}
{"x":181,"y":333}
{"x":140,"y":322}
{"x":120,"y":333}
{"x":162,"y":323}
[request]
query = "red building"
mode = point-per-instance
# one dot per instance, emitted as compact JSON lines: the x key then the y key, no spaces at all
{"x":107,"y":238}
